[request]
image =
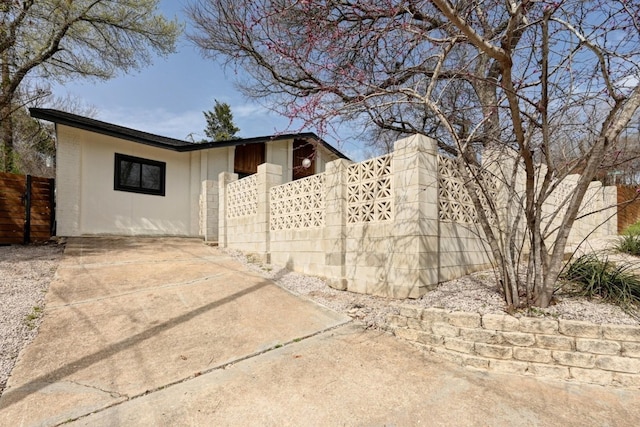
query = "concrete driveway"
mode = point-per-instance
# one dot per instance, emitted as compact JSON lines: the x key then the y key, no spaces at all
{"x":129,"y":316}
{"x":171,"y":332}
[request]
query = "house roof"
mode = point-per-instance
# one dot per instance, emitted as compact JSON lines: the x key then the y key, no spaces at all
{"x":97,"y":126}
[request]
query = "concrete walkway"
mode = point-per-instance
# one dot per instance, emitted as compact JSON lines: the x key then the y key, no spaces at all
{"x":169,"y":332}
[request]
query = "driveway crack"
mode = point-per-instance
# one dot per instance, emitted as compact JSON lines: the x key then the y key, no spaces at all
{"x":111,"y":393}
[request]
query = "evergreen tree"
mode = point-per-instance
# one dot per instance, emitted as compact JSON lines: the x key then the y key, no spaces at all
{"x":220,"y":126}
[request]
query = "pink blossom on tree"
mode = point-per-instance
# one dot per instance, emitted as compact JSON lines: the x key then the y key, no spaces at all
{"x":540,"y":82}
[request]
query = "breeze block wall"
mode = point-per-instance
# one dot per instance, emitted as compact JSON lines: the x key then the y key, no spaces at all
{"x":394,"y":226}
{"x":244,"y":210}
{"x":296,"y":226}
{"x":542,"y":347}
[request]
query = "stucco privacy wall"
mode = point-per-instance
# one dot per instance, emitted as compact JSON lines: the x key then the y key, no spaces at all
{"x":395,"y":225}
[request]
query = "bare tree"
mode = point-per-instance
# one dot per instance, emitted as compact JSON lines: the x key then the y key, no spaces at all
{"x":34,"y":140}
{"x":52,"y":39}
{"x":492,"y":81}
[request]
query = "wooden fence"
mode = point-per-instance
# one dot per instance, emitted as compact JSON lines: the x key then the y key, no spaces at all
{"x":628,"y":206}
{"x":26,"y":209}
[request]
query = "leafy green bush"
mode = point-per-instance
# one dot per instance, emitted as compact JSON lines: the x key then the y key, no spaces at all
{"x":599,"y":277}
{"x":629,"y":243}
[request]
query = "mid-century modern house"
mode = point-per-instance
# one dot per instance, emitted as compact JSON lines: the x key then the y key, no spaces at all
{"x":116,"y":180}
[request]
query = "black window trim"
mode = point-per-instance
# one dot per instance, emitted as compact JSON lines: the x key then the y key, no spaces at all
{"x":117,"y":186}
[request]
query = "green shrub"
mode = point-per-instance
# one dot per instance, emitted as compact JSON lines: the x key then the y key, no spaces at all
{"x":633,"y":229}
{"x":599,"y":277}
{"x":629,"y":243}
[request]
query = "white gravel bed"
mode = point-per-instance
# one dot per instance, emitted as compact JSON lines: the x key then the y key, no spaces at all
{"x":476,"y":293}
{"x":25,"y":274}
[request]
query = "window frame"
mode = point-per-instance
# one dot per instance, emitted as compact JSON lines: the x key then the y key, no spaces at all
{"x":118,"y":186}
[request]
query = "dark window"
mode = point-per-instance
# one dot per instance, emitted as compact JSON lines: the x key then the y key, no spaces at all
{"x":139,"y":175}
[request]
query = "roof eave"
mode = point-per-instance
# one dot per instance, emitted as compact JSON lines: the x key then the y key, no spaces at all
{"x":140,"y":137}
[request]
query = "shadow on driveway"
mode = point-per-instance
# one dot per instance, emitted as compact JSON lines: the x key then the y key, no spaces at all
{"x":127,"y":316}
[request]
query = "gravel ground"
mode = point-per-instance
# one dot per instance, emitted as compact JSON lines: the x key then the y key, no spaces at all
{"x":477,"y":293}
{"x":26,"y":271}
{"x":25,"y":274}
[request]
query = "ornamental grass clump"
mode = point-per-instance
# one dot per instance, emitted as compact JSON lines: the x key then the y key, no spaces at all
{"x":630,"y":244}
{"x":597,"y":277}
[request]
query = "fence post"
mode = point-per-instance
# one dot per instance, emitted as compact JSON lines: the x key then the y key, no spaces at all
{"x":224,"y":178}
{"x":27,"y":208}
{"x":416,"y":258}
{"x":269,"y":175}
{"x":209,"y":210}
{"x":334,"y":233}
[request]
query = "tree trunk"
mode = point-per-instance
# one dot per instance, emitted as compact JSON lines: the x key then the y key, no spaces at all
{"x":6,"y":122}
{"x":6,"y":136}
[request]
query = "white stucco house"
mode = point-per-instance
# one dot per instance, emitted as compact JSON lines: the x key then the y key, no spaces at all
{"x":116,"y":180}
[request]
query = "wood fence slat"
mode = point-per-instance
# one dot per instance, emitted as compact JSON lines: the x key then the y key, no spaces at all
{"x":11,"y":227}
{"x":11,"y":192}
{"x":12,"y":221}
{"x":11,"y":212}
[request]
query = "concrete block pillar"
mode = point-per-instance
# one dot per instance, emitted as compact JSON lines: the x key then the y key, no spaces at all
{"x":269,"y":175}
{"x":334,"y":232}
{"x":209,"y":210}
{"x":415,"y":260}
{"x":224,"y":178}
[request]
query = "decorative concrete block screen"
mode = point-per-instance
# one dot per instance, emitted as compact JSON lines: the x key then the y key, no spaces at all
{"x":454,"y":201}
{"x":242,"y":199}
{"x":369,"y":191}
{"x":297,"y":221}
{"x":298,"y":204}
{"x":244,"y":209}
{"x":395,"y":225}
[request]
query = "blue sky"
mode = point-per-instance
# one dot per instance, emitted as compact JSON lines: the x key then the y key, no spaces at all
{"x":168,"y":97}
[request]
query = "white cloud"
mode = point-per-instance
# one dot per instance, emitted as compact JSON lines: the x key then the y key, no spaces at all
{"x":628,"y":82}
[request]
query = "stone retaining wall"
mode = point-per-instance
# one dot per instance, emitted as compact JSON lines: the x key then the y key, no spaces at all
{"x":561,"y":349}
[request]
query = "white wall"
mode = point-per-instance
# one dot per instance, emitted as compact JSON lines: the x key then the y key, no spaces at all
{"x":68,"y":181}
{"x":280,"y":153}
{"x":88,"y":204}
